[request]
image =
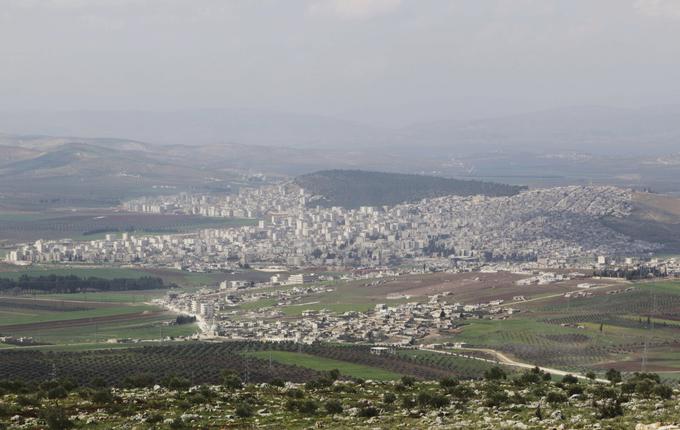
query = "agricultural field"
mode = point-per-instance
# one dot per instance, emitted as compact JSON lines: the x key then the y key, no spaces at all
{"x":326,"y":364}
{"x":65,"y":320}
{"x":259,"y":362}
{"x":468,"y":368}
{"x":92,"y":225}
{"x":609,"y":329}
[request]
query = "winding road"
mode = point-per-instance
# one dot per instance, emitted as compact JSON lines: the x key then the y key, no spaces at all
{"x":501,"y":358}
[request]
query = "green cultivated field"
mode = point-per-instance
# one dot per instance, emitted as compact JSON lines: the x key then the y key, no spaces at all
{"x":339,"y":308}
{"x":466,"y":367}
{"x":597,"y":332}
{"x":30,"y":316}
{"x":326,"y":364}
{"x":88,"y":317}
{"x":110,"y":297}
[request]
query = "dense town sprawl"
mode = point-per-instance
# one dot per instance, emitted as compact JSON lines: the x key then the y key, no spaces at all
{"x":556,"y":227}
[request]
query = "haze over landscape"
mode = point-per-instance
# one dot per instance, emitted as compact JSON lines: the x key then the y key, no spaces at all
{"x":454,"y":214}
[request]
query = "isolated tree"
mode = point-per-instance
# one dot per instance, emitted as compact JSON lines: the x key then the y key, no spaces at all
{"x":231,"y":380}
{"x":334,"y":374}
{"x":613,"y":375}
{"x":569,"y":379}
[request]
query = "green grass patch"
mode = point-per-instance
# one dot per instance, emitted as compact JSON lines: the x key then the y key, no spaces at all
{"x":144,"y":329}
{"x":339,"y":308}
{"x":326,"y":364}
{"x":109,"y":297}
{"x":264,"y":303}
{"x":31,"y":316}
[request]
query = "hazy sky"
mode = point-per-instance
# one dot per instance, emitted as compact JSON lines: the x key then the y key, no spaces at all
{"x":379,"y":61}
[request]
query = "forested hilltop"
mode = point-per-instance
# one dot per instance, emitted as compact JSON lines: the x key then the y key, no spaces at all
{"x":355,"y":188}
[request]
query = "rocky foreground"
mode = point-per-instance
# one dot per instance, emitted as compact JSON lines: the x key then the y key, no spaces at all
{"x":532,"y":400}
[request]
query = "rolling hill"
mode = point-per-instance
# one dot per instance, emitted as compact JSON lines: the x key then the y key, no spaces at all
{"x":355,"y":188}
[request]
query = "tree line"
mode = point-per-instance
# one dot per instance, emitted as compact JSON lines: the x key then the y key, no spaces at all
{"x":74,"y":284}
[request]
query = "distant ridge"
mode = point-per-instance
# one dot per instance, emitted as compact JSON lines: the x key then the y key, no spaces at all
{"x":355,"y":188}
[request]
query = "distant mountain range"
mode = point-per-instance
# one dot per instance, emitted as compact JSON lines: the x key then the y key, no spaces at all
{"x":592,"y":129}
{"x":39,"y":171}
{"x":118,"y":155}
{"x":355,"y":188}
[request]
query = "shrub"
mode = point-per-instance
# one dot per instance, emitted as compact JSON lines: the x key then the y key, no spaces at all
{"x":569,"y":379}
{"x":528,"y":378}
{"x":57,"y":392}
{"x":495,"y":398}
{"x":439,"y":401}
{"x":98,"y":383}
{"x":640,"y":376}
{"x":308,"y":407}
{"x":231,"y":380}
{"x":447,"y":383}
{"x":408,"y":381}
{"x":295,"y":393}
{"x":462,"y":393}
{"x":178,"y":424}
{"x":407,"y":402}
{"x":601,"y":392}
{"x":613,"y":375}
{"x":244,"y":410}
{"x":139,"y":380}
{"x":556,"y":397}
{"x":389,"y":398}
{"x":423,"y":399}
{"x":154,"y":418}
{"x":28,"y":401}
{"x":574,"y":389}
{"x":176,"y":383}
{"x":277,"y":383}
{"x":333,"y":407}
{"x":319,"y":383}
{"x":609,"y":409}
{"x":645,"y":388}
{"x":495,"y":373}
{"x":7,"y":411}
{"x":55,"y":418}
{"x":102,"y":397}
{"x":663,"y":391}
{"x":368,"y":412}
